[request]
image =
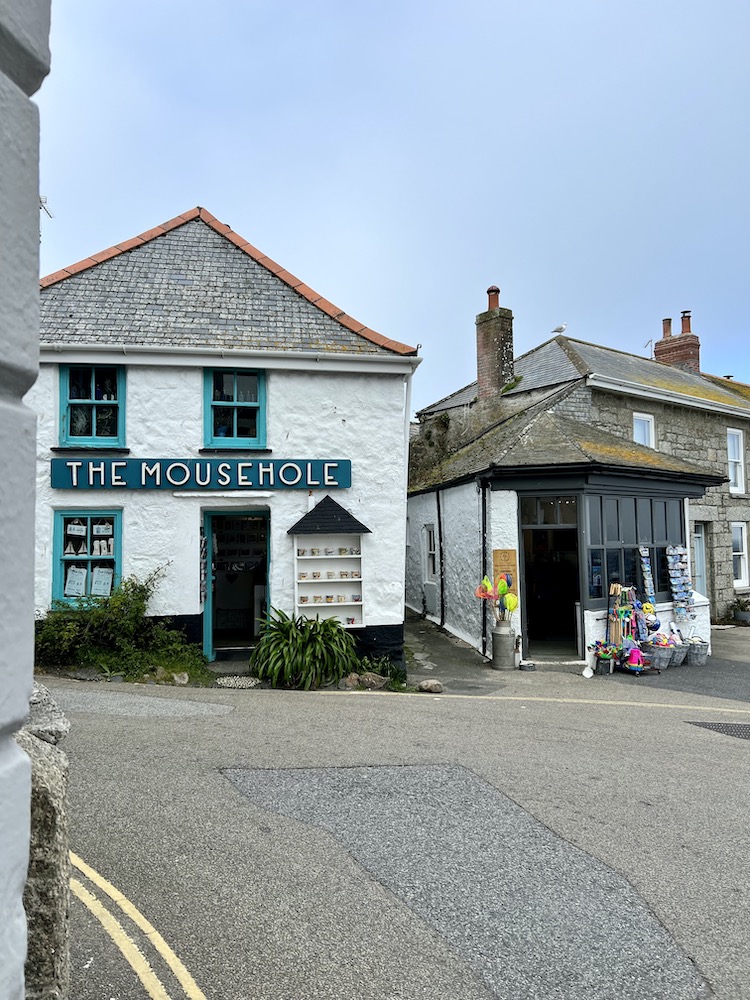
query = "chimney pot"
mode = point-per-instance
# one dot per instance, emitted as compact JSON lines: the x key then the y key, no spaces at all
{"x":683,"y":351}
{"x":666,"y":325}
{"x":493,"y":297}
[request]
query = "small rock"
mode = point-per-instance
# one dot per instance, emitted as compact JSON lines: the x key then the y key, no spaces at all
{"x":431,"y":686}
{"x":349,"y":683}
{"x":372,"y":681}
{"x":181,"y":678}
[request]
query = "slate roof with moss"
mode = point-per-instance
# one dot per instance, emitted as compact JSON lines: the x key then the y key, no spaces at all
{"x":193,"y":282}
{"x":534,"y":438}
{"x":563,"y":360}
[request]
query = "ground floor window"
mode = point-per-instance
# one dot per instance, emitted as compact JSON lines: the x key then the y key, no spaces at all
{"x":87,"y":553}
{"x":739,"y":553}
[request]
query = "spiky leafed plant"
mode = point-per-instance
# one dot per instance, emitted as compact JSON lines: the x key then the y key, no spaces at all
{"x":303,"y":652}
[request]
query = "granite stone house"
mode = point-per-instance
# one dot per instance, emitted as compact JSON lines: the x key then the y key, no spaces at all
{"x":575,"y":466}
{"x":203,"y":411}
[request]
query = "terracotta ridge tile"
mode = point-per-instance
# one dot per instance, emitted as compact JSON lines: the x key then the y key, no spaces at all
{"x":167,"y":227}
{"x":269,"y":264}
{"x":326,"y":306}
{"x":350,"y":323}
{"x":239,"y":241}
{"x":288,"y":278}
{"x":81,"y":265}
{"x":53,"y":278}
{"x":151,"y":234}
{"x":250,"y":250}
{"x":310,"y":294}
{"x":135,"y":241}
{"x":106,"y":254}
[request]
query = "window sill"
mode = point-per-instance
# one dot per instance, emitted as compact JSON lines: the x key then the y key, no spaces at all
{"x":218,"y":449}
{"x":115,"y":449}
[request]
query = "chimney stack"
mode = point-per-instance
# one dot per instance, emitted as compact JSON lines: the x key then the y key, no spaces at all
{"x":494,"y":346}
{"x":681,"y":351}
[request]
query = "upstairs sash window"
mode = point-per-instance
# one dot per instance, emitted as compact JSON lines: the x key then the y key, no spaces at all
{"x":235,"y":408}
{"x":736,"y":459}
{"x":93,"y":405}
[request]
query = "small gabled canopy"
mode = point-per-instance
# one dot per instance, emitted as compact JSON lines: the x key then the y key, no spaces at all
{"x":328,"y":518}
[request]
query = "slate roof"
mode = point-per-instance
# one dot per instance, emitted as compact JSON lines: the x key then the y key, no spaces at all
{"x":562,"y":360}
{"x":328,"y":518}
{"x":544,"y":366}
{"x":193,"y":282}
{"x":535,"y":438}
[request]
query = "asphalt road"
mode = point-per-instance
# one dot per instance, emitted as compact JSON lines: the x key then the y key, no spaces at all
{"x":555,"y":838}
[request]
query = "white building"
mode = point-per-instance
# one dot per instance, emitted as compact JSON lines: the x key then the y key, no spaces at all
{"x":202,"y":410}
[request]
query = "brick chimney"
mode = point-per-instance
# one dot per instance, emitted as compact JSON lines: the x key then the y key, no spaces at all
{"x":494,"y":346}
{"x":682,"y":350}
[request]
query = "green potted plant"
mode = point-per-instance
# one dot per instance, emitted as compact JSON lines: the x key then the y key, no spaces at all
{"x":740,"y":608}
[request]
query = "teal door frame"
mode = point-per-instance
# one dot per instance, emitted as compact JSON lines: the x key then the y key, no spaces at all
{"x":208,"y":607}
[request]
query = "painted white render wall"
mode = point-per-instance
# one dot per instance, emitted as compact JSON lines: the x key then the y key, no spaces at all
{"x":310,"y":415}
{"x":462,"y":556}
{"x":504,"y":534}
{"x":422,"y":511}
{"x":461,"y":521}
{"x":24,"y":61}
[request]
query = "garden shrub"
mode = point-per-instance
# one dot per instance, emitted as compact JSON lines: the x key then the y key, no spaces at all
{"x":115,"y":635}
{"x":303,"y":652}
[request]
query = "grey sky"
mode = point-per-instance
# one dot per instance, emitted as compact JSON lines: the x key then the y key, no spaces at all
{"x":589,"y":157}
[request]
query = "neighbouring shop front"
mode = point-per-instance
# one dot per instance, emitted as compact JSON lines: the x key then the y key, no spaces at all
{"x":575,"y":545}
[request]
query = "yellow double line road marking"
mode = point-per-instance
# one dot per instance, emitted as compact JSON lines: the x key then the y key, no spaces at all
{"x":124,"y":942}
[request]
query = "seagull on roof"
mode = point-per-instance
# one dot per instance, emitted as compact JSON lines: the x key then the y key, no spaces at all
{"x":561,"y":328}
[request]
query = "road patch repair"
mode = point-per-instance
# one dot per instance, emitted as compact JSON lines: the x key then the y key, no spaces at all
{"x":530,"y":914}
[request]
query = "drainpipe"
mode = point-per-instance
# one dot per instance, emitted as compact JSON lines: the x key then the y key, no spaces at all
{"x":481,"y":486}
{"x":441,"y":558}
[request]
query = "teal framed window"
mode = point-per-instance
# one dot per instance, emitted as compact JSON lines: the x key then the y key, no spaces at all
{"x":92,"y":406}
{"x":234,"y":408}
{"x":87,"y":553}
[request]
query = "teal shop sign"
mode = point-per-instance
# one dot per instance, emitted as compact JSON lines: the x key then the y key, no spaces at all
{"x":199,"y":474}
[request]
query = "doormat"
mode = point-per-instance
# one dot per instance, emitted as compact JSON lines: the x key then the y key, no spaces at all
{"x":739,"y":729}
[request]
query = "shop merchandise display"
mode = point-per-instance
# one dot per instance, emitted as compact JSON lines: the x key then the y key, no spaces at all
{"x":635,"y":641}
